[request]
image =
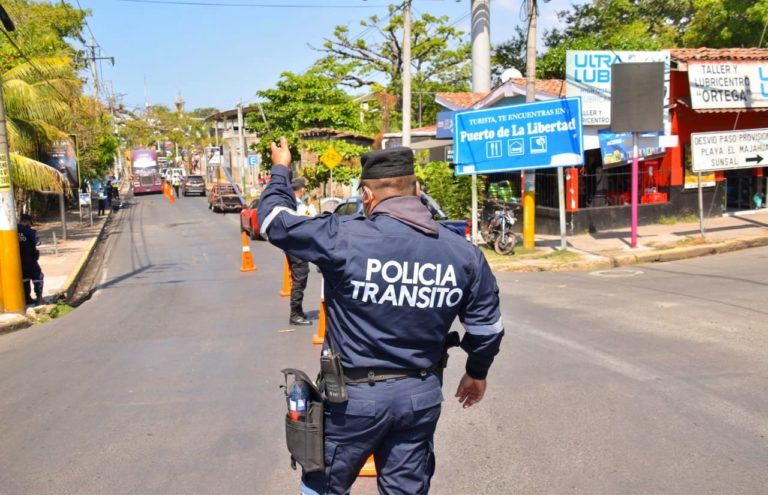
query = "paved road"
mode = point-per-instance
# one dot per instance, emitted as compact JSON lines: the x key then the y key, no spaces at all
{"x":167,"y":380}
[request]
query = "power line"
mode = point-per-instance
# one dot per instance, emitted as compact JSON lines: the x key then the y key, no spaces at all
{"x":256,"y":5}
{"x":86,"y":22}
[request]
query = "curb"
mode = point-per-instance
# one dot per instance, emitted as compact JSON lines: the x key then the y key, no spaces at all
{"x":614,"y":261}
{"x":74,"y":276}
{"x":17,"y":323}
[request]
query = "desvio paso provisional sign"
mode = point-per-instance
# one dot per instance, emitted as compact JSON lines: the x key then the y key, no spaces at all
{"x":534,"y":135}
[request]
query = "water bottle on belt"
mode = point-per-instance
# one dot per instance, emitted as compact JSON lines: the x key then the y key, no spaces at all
{"x":297,"y":400}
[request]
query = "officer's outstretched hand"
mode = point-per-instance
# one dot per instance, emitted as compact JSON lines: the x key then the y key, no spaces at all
{"x":281,"y":155}
{"x":470,"y":391}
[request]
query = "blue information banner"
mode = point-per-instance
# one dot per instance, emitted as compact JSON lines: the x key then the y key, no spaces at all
{"x":530,"y":136}
{"x":444,"y":125}
{"x":616,"y":148}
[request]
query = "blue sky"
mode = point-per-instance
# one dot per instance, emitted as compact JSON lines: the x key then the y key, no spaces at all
{"x":215,"y":55}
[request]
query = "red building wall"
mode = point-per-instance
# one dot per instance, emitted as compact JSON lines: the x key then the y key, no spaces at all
{"x":686,"y":121}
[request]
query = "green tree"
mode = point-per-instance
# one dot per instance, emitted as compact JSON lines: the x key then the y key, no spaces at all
{"x":43,"y":29}
{"x":439,"y":61}
{"x":453,"y":193}
{"x":614,"y":25}
{"x":37,"y":98}
{"x":305,"y":101}
{"x":728,"y":23}
{"x":510,"y":54}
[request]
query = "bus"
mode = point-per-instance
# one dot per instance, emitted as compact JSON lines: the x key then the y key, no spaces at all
{"x":146,"y":174}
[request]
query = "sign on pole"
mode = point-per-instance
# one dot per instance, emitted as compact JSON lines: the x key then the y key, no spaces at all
{"x":5,"y":174}
{"x":728,"y":84}
{"x":588,"y":75}
{"x":253,"y":161}
{"x":545,"y":134}
{"x":729,"y":150}
{"x":331,"y":158}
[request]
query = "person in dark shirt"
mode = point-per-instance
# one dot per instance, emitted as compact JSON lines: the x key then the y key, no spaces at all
{"x":30,"y":268}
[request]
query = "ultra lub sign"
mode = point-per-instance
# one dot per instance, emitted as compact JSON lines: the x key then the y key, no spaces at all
{"x":593,"y":67}
{"x":588,"y":75}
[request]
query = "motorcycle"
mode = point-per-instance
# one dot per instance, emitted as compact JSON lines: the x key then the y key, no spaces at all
{"x":496,"y":227}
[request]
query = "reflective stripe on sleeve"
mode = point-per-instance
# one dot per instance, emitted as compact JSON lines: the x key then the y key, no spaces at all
{"x":271,"y":217}
{"x":485,"y":329}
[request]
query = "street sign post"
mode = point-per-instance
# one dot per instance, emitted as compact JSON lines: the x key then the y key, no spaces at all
{"x":545,"y":134}
{"x":712,"y":151}
{"x":331,"y":158}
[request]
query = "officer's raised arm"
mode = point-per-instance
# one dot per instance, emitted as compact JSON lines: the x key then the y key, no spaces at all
{"x":308,"y":238}
{"x":481,"y":318}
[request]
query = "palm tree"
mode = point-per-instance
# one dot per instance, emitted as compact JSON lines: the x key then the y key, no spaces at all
{"x":37,"y":95}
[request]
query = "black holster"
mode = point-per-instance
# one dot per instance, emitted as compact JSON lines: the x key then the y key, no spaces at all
{"x":305,"y":438}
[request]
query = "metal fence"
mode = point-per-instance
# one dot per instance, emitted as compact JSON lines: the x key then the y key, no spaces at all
{"x":609,"y":188}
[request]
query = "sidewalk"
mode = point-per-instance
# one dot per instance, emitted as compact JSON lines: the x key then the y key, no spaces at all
{"x":62,"y":260}
{"x":654,"y":243}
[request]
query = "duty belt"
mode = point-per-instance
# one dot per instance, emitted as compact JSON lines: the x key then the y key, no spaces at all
{"x":371,"y":375}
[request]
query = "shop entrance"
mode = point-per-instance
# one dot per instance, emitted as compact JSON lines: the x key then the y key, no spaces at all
{"x":740,"y":189}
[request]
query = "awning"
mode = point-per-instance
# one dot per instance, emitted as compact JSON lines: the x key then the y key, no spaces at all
{"x":686,"y":102}
{"x":428,"y":144}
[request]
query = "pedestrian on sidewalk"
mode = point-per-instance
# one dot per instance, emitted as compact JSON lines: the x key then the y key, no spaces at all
{"x":102,"y":202}
{"x":30,"y":268}
{"x":108,"y":190}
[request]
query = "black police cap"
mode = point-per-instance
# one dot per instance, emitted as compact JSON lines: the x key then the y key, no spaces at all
{"x":382,"y":164}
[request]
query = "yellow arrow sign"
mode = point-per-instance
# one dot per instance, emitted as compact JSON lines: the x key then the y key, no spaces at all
{"x":331,"y":158}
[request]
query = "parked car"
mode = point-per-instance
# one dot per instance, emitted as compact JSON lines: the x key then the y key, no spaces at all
{"x":354,"y":206}
{"x":223,"y":198}
{"x":193,"y":184}
{"x":97,"y":190}
{"x":249,"y":222}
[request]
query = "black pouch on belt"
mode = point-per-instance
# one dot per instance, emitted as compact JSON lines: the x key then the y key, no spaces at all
{"x":304,"y":437}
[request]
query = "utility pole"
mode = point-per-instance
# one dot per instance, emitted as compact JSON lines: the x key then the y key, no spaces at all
{"x":481,"y":73}
{"x":11,"y":289}
{"x":529,"y":183}
{"x":94,"y":70}
{"x":241,"y":162}
{"x":407,"y":73}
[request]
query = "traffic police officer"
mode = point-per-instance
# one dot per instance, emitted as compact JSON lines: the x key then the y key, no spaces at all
{"x":394,"y":281}
{"x":299,"y":267}
{"x":30,"y":268}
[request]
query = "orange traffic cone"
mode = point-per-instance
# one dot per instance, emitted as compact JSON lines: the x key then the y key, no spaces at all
{"x":248,"y":265}
{"x":168,"y":192}
{"x":286,"y":290}
{"x":319,"y":337}
{"x":370,"y":467}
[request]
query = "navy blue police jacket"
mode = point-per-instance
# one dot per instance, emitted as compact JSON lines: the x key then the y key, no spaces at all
{"x":393,"y":283}
{"x":28,"y":248}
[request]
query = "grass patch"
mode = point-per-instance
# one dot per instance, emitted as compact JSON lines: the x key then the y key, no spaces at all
{"x":689,"y":218}
{"x":521,"y":253}
{"x":667,"y":220}
{"x":673,"y":219}
{"x":60,"y":310}
{"x":563,"y":256}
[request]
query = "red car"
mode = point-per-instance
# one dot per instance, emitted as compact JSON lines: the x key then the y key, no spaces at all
{"x":249,"y":222}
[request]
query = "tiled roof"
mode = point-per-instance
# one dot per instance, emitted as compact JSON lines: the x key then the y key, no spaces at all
{"x":551,"y":86}
{"x":689,"y":54}
{"x":462,"y":100}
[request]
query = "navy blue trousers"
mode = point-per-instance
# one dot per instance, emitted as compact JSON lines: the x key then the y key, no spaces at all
{"x":395,"y":421}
